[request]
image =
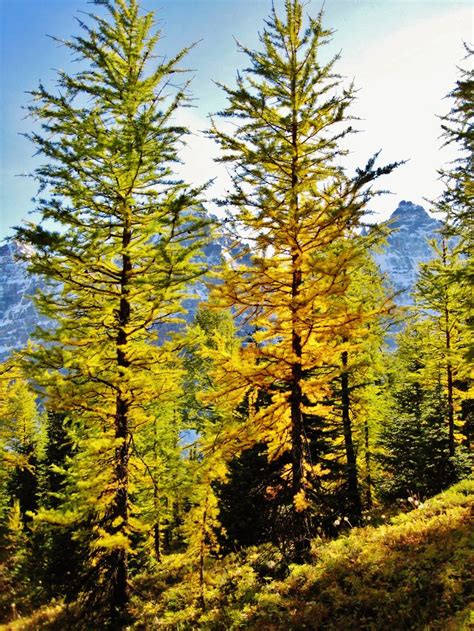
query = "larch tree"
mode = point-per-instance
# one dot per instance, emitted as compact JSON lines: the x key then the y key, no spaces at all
{"x":20,"y":441}
{"x":116,"y":246}
{"x":442,"y":301}
{"x":20,"y":451}
{"x":283,"y":135}
{"x":362,"y":345}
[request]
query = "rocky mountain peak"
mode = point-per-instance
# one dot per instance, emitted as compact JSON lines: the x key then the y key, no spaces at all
{"x":408,"y":214}
{"x":412,"y":228}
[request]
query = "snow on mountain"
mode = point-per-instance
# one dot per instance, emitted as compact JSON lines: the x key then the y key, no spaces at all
{"x":18,"y":317}
{"x":407,"y":246}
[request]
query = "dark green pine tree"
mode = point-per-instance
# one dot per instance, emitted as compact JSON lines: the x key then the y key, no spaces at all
{"x":457,"y":200}
{"x":246,"y":510}
{"x":59,"y":556}
{"x":415,"y":438}
{"x":116,"y":247}
{"x":458,"y":196}
{"x":442,"y":299}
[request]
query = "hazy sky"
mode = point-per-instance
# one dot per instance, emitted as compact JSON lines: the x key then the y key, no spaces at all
{"x":402,"y":55}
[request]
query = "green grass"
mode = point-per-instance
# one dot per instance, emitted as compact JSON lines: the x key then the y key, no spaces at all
{"x":414,"y":572}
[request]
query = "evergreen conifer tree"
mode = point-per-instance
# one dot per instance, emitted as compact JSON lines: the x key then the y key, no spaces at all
{"x":458,"y":196}
{"x":415,"y":438}
{"x":59,"y":557}
{"x":442,"y":300}
{"x":457,"y":199}
{"x":19,"y":442}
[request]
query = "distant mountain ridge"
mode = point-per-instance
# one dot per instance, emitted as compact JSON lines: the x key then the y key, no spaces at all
{"x":407,"y":246}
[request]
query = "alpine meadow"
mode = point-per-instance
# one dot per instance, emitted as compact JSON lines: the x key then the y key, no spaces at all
{"x":227,"y":415}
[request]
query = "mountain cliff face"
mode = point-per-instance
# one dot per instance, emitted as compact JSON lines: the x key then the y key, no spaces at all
{"x":407,"y":246}
{"x":18,"y":317}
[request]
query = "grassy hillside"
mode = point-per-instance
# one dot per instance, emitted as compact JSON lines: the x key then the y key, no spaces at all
{"x":412,"y":573}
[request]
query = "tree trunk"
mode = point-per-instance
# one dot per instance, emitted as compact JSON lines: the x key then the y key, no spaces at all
{"x":368,"y":466}
{"x":449,"y":379}
{"x":351,"y":461}
{"x":301,"y":533}
{"x":156,"y":526}
{"x":156,"y":500}
{"x":449,"y":369}
{"x":119,"y":557}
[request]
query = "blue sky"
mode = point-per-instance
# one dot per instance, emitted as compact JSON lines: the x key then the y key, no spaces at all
{"x":401,"y":53}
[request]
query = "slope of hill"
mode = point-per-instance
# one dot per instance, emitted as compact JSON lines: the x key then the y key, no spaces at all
{"x":412,"y":572}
